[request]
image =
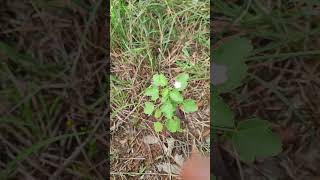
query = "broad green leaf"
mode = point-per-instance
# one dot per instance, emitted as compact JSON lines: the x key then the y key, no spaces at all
{"x":221,"y":114}
{"x":165,"y":92}
{"x":176,"y":96}
{"x":157,"y":126}
{"x":148,"y":108}
{"x":164,"y":99}
{"x":182,"y":80}
{"x":167,"y":108}
{"x":159,"y":80}
{"x":157,"y":114}
{"x":232,"y":55}
{"x":173,"y":125}
{"x":235,"y":48}
{"x":254,"y":138}
{"x":164,"y":95}
{"x":152,"y":91}
{"x":189,"y":105}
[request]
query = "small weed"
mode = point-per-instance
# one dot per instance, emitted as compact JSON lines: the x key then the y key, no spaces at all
{"x":166,"y":100}
{"x":150,"y":37}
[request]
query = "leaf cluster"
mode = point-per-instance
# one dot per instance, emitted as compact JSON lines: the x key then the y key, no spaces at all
{"x":165,"y":100}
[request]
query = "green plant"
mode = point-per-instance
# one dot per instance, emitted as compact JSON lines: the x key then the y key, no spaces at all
{"x":252,"y":137}
{"x":166,"y":99}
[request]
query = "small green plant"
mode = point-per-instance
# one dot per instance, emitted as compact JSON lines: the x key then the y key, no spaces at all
{"x":166,"y":99}
{"x":252,"y":137}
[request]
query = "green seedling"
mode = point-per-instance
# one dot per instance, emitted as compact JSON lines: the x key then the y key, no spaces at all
{"x":164,"y":101}
{"x":251,"y":138}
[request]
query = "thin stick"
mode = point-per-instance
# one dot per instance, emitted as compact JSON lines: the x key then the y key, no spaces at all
{"x":238,"y":163}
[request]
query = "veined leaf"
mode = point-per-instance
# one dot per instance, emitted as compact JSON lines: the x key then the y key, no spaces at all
{"x":152,"y":91}
{"x":157,"y":114}
{"x":176,"y":96}
{"x":231,"y":55}
{"x":159,"y":80}
{"x":254,"y":138}
{"x":158,"y":126}
{"x":167,"y":108}
{"x":173,"y":125}
{"x":189,"y":105}
{"x":164,"y":95}
{"x":221,"y":114}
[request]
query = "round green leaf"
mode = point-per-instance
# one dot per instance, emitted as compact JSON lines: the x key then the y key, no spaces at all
{"x":231,"y":55}
{"x":152,"y":91}
{"x":182,"y":77}
{"x":167,"y":108}
{"x":176,"y":96}
{"x":221,"y":114}
{"x":189,"y":105}
{"x":148,"y":108}
{"x":157,"y":126}
{"x":157,"y":114}
{"x":253,"y":139}
{"x":159,"y":80}
{"x":173,"y":125}
{"x":164,"y":94}
{"x":182,"y":80}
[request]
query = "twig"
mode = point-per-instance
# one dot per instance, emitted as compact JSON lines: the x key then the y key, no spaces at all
{"x":238,"y":163}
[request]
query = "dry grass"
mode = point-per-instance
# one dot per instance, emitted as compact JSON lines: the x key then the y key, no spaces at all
{"x":53,"y":73}
{"x":132,"y":70}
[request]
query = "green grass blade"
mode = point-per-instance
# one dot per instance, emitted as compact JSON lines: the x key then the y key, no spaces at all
{"x":34,"y":148}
